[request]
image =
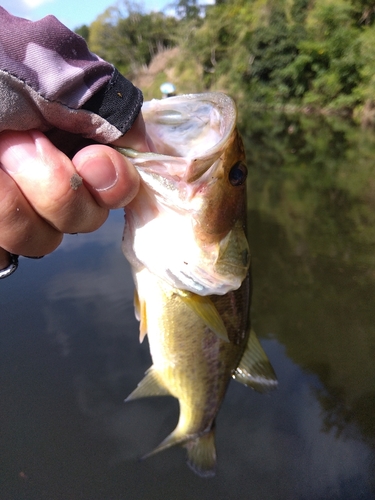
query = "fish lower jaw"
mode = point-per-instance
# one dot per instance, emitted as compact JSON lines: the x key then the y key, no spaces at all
{"x":201,"y":283}
{"x":167,"y":247}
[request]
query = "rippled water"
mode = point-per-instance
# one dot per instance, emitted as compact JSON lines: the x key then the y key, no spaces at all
{"x":69,"y":351}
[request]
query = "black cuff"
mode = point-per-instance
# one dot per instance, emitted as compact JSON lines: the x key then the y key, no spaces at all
{"x":119,"y":102}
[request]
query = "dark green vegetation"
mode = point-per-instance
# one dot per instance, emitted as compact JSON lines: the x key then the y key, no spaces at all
{"x":130,"y":39}
{"x":310,"y":54}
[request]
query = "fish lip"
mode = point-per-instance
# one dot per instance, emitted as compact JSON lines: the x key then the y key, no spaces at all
{"x":188,"y":170}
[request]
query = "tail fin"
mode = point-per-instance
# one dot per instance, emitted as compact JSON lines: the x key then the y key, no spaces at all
{"x":201,"y":454}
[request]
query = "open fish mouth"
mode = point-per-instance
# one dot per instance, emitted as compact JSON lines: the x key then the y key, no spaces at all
{"x":190,"y":126}
{"x":185,"y":225}
{"x":190,"y":133}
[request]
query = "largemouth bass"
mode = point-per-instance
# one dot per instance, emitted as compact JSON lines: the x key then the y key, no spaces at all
{"x":193,"y":295}
{"x":186,"y":223}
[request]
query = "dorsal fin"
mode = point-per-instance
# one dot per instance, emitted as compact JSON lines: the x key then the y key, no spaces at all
{"x":254,"y":369}
{"x":148,"y":386}
{"x":206,"y":310}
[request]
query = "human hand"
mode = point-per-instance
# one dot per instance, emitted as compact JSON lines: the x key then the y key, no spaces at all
{"x":43,"y":194}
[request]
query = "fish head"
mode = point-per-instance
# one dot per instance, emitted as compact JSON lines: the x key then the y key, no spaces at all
{"x":187,"y":225}
{"x":220,"y":219}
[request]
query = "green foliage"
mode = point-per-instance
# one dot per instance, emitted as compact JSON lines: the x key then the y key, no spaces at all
{"x":273,"y":48}
{"x":364,"y":11}
{"x":209,"y":42}
{"x":131,"y":38}
{"x":83,"y":31}
{"x":187,"y":9}
{"x":317,"y":53}
{"x":333,"y":48}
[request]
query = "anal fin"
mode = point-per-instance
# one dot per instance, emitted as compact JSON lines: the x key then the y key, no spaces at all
{"x":254,"y":369}
{"x":174,"y":438}
{"x":201,"y":451}
{"x":148,"y":386}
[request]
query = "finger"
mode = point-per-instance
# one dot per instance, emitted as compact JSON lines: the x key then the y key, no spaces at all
{"x":111,"y":179}
{"x":136,"y":138}
{"x":44,"y":175}
{"x":22,"y":231}
{"x":4,"y":259}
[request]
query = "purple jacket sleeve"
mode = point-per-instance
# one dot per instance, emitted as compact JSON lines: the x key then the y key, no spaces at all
{"x":50,"y":81}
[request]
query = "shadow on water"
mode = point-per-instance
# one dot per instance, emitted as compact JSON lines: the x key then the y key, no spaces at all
{"x":69,"y":350}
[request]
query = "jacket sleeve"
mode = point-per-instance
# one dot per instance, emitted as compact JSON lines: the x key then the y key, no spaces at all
{"x":50,"y":81}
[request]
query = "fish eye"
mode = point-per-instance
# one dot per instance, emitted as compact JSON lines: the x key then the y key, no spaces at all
{"x":238,"y":174}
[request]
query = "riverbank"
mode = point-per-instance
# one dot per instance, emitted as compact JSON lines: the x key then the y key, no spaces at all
{"x":168,"y":65}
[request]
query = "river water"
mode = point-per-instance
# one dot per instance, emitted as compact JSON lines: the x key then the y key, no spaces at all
{"x":69,"y":351}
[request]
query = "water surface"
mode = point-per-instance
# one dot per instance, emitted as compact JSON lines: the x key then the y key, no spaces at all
{"x":69,"y":351}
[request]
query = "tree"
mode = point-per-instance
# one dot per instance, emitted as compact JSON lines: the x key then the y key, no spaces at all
{"x":364,"y":11}
{"x":187,"y":9}
{"x":83,"y":31}
{"x":273,"y":48}
{"x":334,"y":51}
{"x":130,"y":39}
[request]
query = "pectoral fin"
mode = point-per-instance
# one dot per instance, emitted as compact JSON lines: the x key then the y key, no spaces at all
{"x":148,"y":386}
{"x":140,"y":314}
{"x":137,"y":308}
{"x":206,"y":310}
{"x":254,"y":369}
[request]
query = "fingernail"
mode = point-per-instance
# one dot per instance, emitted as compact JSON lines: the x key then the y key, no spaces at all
{"x":99,"y":172}
{"x":17,"y":156}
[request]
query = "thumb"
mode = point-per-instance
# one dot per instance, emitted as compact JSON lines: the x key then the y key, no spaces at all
{"x":110,"y":177}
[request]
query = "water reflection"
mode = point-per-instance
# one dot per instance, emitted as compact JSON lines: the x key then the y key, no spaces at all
{"x":69,"y":351}
{"x":312,"y":226}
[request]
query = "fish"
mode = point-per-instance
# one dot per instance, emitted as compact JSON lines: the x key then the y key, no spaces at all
{"x":193,"y":364}
{"x":192,"y":297}
{"x":191,"y":201}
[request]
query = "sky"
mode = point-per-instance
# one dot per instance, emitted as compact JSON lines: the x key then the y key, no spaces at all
{"x":72,"y":13}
